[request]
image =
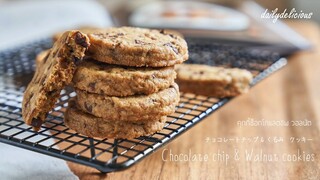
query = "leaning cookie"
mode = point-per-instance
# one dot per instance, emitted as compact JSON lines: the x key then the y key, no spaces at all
{"x":212,"y":81}
{"x":137,"y":47}
{"x":83,"y":29}
{"x":92,"y":126}
{"x":130,"y":108}
{"x":112,"y":80}
{"x":55,"y":73}
{"x":42,"y":56}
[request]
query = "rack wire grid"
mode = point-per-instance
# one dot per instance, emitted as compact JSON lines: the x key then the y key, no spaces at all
{"x":106,"y":155}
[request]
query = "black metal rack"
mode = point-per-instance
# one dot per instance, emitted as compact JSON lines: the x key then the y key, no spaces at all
{"x":54,"y":139}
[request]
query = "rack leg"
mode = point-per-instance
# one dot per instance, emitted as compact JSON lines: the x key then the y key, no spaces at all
{"x":92,"y":151}
{"x":115,"y":151}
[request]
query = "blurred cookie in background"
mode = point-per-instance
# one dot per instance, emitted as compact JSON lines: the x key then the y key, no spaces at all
{"x":188,"y":15}
{"x":212,"y":81}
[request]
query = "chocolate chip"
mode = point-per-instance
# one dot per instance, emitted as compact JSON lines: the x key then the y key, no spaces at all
{"x":92,"y":86}
{"x":162,"y":31}
{"x":139,"y":42}
{"x":201,"y":72}
{"x":173,"y":36}
{"x":36,"y":122}
{"x":81,"y":40}
{"x":76,"y":60}
{"x":50,"y":93}
{"x":88,"y":107}
{"x":174,"y":49}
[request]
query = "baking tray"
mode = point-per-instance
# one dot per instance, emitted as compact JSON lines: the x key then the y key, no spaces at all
{"x":107,"y":155}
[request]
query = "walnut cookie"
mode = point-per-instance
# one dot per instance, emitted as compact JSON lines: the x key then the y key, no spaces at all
{"x":137,"y":47}
{"x":42,"y":56}
{"x":212,"y":81}
{"x":92,"y":126}
{"x":112,"y":80}
{"x":55,"y":73}
{"x":130,"y":108}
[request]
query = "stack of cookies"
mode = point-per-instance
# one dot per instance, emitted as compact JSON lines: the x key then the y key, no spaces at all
{"x":125,"y":86}
{"x":123,"y":77}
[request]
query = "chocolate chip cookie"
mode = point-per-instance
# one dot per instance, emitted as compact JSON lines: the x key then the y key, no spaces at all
{"x":212,"y":81}
{"x":137,"y":47}
{"x":92,"y":126}
{"x":82,"y":29}
{"x":130,"y":108}
{"x":112,"y":80}
{"x":42,"y":56}
{"x":56,"y":72}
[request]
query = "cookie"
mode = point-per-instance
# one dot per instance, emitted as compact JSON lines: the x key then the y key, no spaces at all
{"x":112,"y":80}
{"x":41,"y":56}
{"x":83,"y":29}
{"x":137,"y":47}
{"x":212,"y":81}
{"x":92,"y":126}
{"x":56,"y":72}
{"x":130,"y":108}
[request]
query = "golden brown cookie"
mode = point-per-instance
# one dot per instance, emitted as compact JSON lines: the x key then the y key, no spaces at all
{"x":138,"y":47}
{"x":92,"y":126}
{"x":83,"y":29}
{"x":212,"y":81}
{"x":130,"y":108}
{"x":56,"y":71}
{"x":112,"y":80}
{"x":42,"y":56}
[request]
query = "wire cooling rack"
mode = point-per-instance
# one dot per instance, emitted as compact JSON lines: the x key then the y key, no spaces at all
{"x":54,"y":139}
